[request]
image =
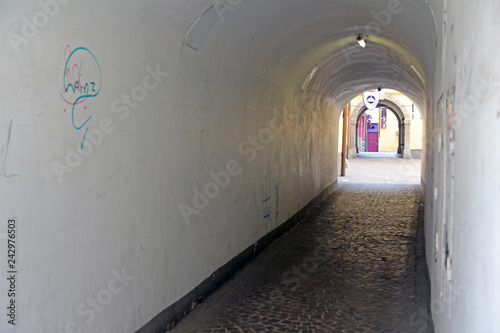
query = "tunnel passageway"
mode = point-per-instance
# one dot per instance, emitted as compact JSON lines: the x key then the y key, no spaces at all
{"x":148,"y":156}
{"x":354,"y":265}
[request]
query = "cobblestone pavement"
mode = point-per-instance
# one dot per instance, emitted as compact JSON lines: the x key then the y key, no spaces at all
{"x":357,"y":265}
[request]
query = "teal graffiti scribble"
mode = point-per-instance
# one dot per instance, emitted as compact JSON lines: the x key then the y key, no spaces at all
{"x":87,"y":90}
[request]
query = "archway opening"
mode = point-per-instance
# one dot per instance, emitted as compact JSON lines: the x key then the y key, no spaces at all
{"x":393,"y":128}
{"x":379,"y":133}
{"x":390,"y":131}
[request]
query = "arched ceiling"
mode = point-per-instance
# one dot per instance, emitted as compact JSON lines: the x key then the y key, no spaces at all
{"x":284,"y":39}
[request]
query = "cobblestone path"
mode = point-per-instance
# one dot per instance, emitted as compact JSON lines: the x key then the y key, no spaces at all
{"x":357,"y":265}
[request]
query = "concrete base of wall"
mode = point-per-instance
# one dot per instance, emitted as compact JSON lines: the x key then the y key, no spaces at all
{"x":169,"y":317}
{"x":423,"y":284}
{"x":416,"y":154}
{"x":407,"y":154}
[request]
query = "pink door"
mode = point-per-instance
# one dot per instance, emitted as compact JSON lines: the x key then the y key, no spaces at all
{"x":373,"y":142}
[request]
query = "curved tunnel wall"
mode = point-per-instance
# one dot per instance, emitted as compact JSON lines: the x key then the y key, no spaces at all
{"x":134,"y":188}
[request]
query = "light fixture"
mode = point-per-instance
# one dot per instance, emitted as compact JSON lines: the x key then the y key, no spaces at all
{"x":417,"y":72}
{"x":309,"y":78}
{"x":361,"y":41}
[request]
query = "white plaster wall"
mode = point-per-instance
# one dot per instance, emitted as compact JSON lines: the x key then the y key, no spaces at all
{"x":462,"y":182}
{"x":417,"y":130}
{"x":104,"y":247}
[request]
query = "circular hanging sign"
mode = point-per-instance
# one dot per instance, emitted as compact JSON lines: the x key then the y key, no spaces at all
{"x":371,"y":98}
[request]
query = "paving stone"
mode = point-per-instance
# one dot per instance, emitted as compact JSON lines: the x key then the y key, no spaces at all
{"x":355,"y":266}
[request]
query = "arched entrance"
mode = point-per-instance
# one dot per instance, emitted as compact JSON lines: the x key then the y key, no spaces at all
{"x":404,"y":120}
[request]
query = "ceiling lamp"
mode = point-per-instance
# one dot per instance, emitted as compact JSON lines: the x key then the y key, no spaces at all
{"x":361,"y":41}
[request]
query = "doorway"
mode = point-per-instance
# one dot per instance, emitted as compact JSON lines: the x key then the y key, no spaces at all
{"x":373,"y":138}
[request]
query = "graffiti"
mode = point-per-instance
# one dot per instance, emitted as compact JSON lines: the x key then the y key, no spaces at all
{"x":287,"y":122}
{"x":4,"y":170}
{"x":82,"y":80}
{"x":277,"y":193}
{"x":249,"y":148}
{"x":266,"y":197}
{"x":75,"y":157}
